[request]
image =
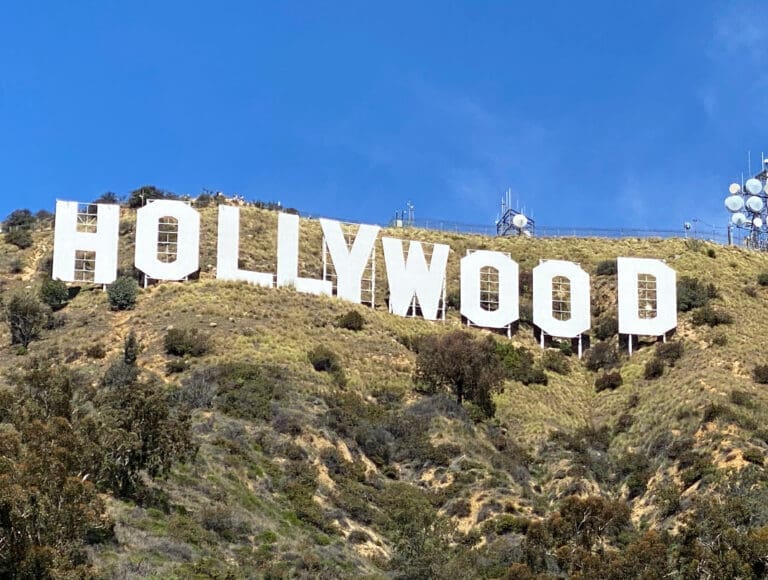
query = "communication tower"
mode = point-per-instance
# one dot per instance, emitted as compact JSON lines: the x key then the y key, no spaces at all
{"x":748,"y":206}
{"x":512,"y":221}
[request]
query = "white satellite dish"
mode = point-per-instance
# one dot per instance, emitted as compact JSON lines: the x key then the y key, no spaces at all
{"x":757,"y":222}
{"x":753,"y":186}
{"x":738,"y":219}
{"x":755,"y":204}
{"x":734,"y":203}
{"x":520,"y":221}
{"x":765,"y":189}
{"x":734,"y":188}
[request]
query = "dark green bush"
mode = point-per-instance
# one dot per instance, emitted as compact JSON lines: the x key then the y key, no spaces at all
{"x":26,"y":317}
{"x":17,"y":266}
{"x":603,"y":355}
{"x":610,"y":381}
{"x":20,"y":238}
{"x":754,"y":455}
{"x":711,"y":253}
{"x":352,"y":320}
{"x":719,"y":339}
{"x":606,"y":327}
{"x":186,"y":342}
{"x":506,"y":524}
{"x":122,"y":293}
{"x":693,"y":293}
{"x":97,"y":351}
{"x":54,"y":293}
{"x":653,"y":369}
{"x":760,"y":374}
{"x":555,"y":360}
{"x":669,"y":352}
{"x":176,"y":365}
{"x":762,"y":278}
{"x":742,"y":398}
{"x":519,"y":364}
{"x":606,"y":268}
{"x":711,"y":316}
{"x":323,"y":359}
{"x":244,"y":390}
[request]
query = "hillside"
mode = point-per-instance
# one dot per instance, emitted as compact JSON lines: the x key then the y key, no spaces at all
{"x":286,"y":471}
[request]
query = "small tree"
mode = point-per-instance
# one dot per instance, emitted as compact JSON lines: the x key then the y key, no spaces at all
{"x":131,"y":349}
{"x":26,"y":317}
{"x":54,"y":293}
{"x":122,"y":293}
{"x":470,"y":367}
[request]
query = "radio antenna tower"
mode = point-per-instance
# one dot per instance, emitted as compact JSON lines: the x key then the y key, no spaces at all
{"x":512,"y":221}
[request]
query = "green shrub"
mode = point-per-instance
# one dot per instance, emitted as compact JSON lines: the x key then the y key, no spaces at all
{"x":711,"y":316}
{"x":653,"y":369}
{"x":97,"y":351}
{"x":186,"y":342}
{"x":26,"y":317}
{"x":606,"y":268}
{"x":22,"y":239}
{"x":742,"y":398}
{"x":610,"y":381}
{"x":555,"y":360}
{"x":754,"y":455}
{"x":711,"y":253}
{"x":719,"y":339}
{"x":131,"y":348}
{"x":606,"y":327}
{"x":693,"y":293}
{"x":669,"y":352}
{"x":519,"y":364}
{"x":323,"y":359}
{"x":122,"y":293}
{"x":176,"y":365}
{"x":17,"y":266}
{"x":760,"y":374}
{"x":762,"y":278}
{"x":352,"y":320}
{"x":601,"y":356}
{"x":244,"y":390}
{"x":54,"y":293}
{"x":506,"y":524}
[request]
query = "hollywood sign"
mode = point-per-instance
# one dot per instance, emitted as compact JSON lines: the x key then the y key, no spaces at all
{"x":86,"y":240}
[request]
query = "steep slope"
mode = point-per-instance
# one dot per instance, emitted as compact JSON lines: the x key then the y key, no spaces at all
{"x":306,"y":473}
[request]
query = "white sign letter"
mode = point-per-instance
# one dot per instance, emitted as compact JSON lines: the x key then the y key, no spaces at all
{"x":87,"y":240}
{"x":349,"y":263}
{"x":508,"y":309}
{"x":288,"y":258}
{"x":228,"y":250}
{"x":647,"y":296}
{"x":169,"y":250}
{"x":561,"y":298}
{"x":414,"y":277}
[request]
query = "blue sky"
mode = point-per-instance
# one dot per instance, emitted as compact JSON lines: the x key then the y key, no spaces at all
{"x":605,"y":114}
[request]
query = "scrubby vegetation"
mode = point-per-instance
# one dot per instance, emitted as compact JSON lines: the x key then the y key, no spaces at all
{"x":224,"y":430}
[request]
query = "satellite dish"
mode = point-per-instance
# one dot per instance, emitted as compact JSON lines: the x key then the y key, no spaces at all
{"x":734,"y":188}
{"x":757,"y":222}
{"x":765,"y":189}
{"x":755,"y":204}
{"x":687,"y":226}
{"x":734,"y":203}
{"x":738,"y":219}
{"x":520,"y":221}
{"x":753,"y":186}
